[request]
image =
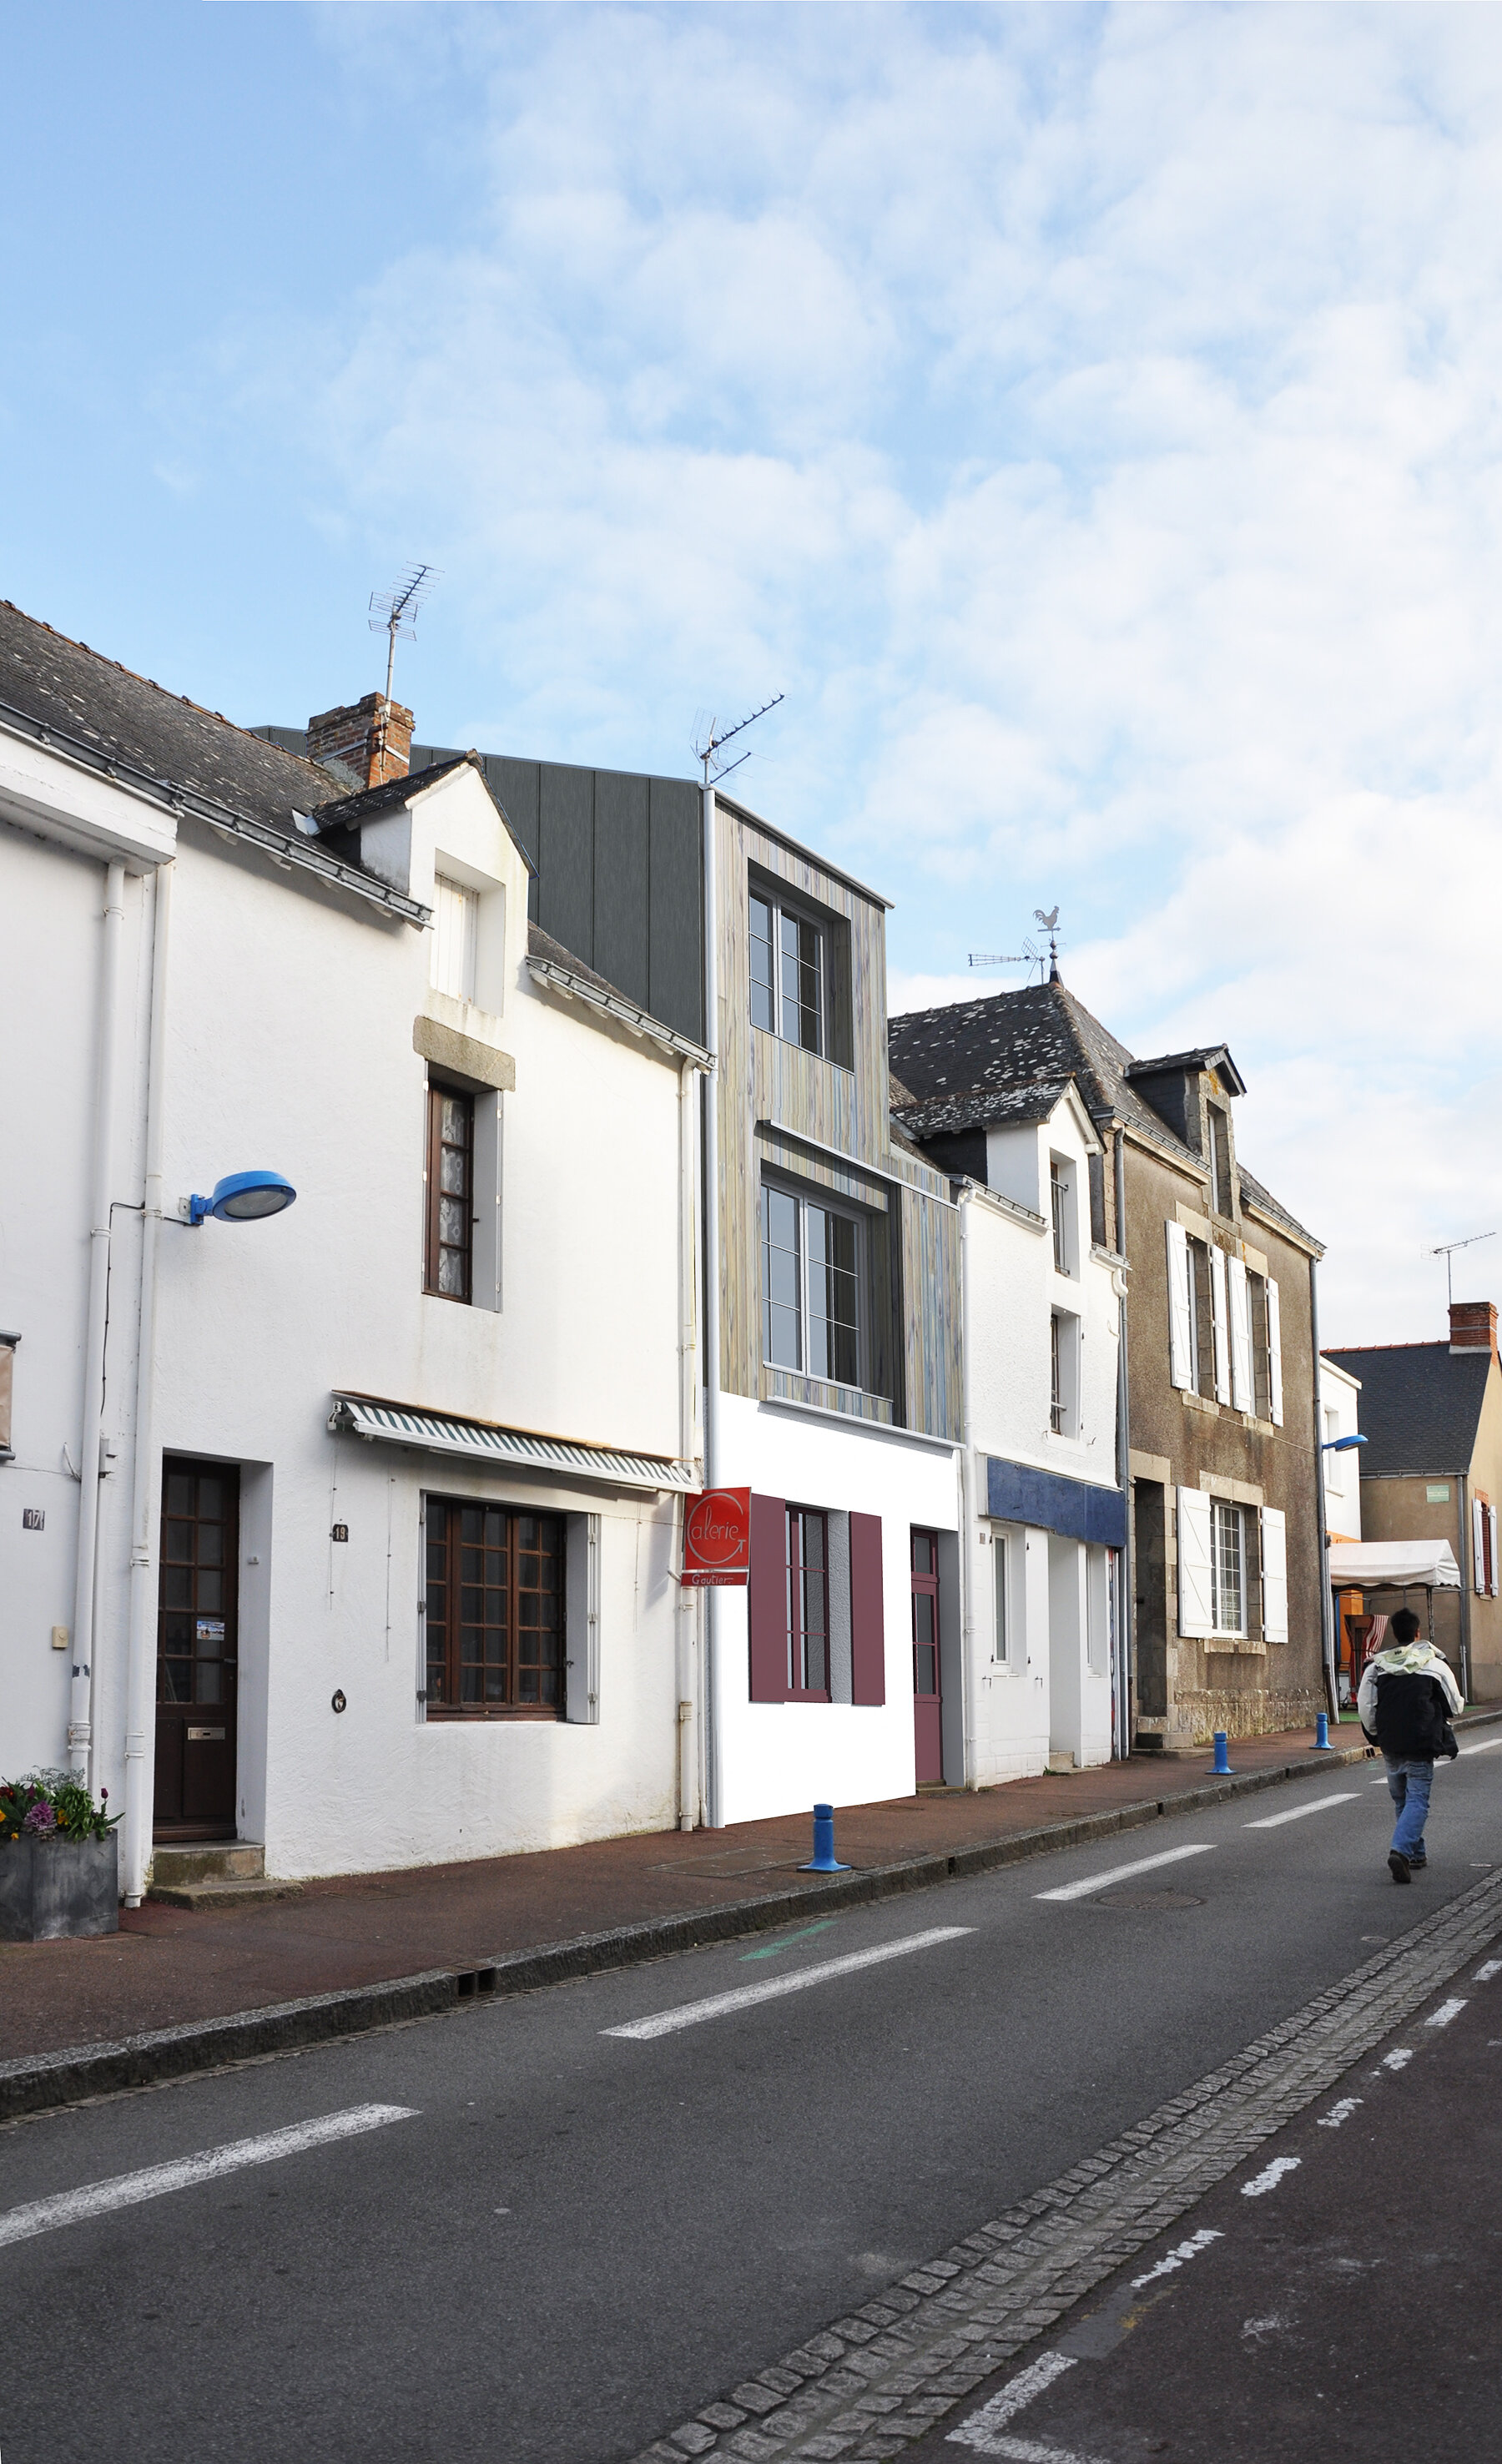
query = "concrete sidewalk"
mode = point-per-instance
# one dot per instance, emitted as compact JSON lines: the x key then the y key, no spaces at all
{"x":628,"y":1899}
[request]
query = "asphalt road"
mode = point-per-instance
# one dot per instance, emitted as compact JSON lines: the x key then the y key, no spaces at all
{"x":566,"y":2239}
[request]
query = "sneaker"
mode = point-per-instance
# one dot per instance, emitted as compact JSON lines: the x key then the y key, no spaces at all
{"x":1398,"y":1866}
{"x":1417,"y":1864}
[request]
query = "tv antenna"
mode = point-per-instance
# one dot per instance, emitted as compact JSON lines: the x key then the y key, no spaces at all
{"x":1446,"y":1250}
{"x":395,"y":611}
{"x":1046,"y":961}
{"x":707,"y":740}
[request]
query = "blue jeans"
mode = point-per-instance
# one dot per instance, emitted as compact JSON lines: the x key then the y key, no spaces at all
{"x":1408,"y":1785}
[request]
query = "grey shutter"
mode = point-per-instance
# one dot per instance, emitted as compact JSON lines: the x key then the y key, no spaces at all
{"x":1196,"y":1616}
{"x":1274,"y":1576}
{"x":1274,"y":1356}
{"x":1220,"y":1328}
{"x":1243,"y":1393}
{"x":1181,"y":1350}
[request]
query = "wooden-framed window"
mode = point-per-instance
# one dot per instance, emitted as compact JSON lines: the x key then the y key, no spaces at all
{"x":495,"y":1611}
{"x":787,"y":975}
{"x":449,"y":1241}
{"x":813,"y":1276}
{"x":807,"y":1603}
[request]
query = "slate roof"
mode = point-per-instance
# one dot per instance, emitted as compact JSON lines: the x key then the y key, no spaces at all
{"x":983,"y":1107}
{"x":72,"y":691}
{"x":1421,"y":1405}
{"x":971,"y":1053}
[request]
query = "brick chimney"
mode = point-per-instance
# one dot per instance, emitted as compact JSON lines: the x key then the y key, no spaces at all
{"x":372,"y":737}
{"x":1472,"y":1326}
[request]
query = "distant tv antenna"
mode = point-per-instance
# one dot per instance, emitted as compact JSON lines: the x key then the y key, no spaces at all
{"x":1446,"y":1250}
{"x":708,"y":740}
{"x":1046,"y":961}
{"x":394,"y":612}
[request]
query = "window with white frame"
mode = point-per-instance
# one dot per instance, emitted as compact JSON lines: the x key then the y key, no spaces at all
{"x":788,"y":974}
{"x":1228,"y":1567}
{"x":1061,"y":1200}
{"x":1063,"y":1373}
{"x":813,"y":1279}
{"x":1001,"y":1600}
{"x":1335,"y":1465}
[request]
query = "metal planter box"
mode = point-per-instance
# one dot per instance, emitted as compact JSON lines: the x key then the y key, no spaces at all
{"x":53,"y":1889}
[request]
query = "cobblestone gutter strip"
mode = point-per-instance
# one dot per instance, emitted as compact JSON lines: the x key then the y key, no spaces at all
{"x":879,"y":2379}
{"x":38,"y":2083}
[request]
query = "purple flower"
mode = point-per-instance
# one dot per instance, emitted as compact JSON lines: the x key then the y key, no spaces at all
{"x":41,"y":1820}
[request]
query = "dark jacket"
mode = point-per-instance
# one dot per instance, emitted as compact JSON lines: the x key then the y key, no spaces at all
{"x":1412,"y":1722}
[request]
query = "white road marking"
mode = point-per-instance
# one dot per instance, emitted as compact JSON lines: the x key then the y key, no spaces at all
{"x":1271,"y":1822}
{"x":1269,"y":2176}
{"x":1489,"y":1968}
{"x":128,"y":2189}
{"x":1121,"y":1873}
{"x":1487,"y":1746}
{"x":1177,"y":2257}
{"x":1447,"y":2011}
{"x":1398,"y":2059}
{"x":1340,"y":2112}
{"x":1027,"y":2451}
{"x":982,"y":2429}
{"x":716,"y":2006}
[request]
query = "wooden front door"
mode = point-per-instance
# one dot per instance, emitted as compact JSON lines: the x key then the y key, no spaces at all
{"x":197,"y":1650}
{"x":928,"y":1709}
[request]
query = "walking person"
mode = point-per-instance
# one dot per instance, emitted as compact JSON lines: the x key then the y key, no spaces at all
{"x":1407,"y":1695}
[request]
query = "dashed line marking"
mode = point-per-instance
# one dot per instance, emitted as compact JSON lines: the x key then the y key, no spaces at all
{"x":741,"y":1997}
{"x":1447,"y":2011}
{"x":1178,"y":2258}
{"x":1269,"y":2176}
{"x":1123,"y":1873}
{"x":209,"y":2165}
{"x":1489,"y":1968}
{"x":982,"y":2430}
{"x":1398,"y":2059}
{"x":1274,"y":1821}
{"x":1340,"y":2112}
{"x":1488,"y":1746}
{"x":1029,"y":2451}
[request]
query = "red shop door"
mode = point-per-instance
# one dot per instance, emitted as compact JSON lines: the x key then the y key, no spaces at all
{"x":928,"y":1710}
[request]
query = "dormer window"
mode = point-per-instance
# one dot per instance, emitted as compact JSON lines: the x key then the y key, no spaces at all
{"x":788,"y":971}
{"x":1222,"y":1199}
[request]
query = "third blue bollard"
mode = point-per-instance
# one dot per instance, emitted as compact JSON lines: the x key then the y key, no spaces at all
{"x":824,"y":1860}
{"x":1322,"y":1744}
{"x":1221,"y":1766}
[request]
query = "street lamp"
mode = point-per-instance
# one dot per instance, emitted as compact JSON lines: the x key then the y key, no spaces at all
{"x":1341,"y":1445}
{"x":243,"y":1196}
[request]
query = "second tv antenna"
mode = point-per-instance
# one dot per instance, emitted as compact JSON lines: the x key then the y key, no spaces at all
{"x":395,"y":611}
{"x":1046,"y":961}
{"x":708,"y":740}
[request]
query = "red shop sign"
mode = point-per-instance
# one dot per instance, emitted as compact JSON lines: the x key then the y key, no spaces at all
{"x":717,"y":1537}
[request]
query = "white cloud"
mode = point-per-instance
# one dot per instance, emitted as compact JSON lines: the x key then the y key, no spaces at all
{"x":1092,"y":419}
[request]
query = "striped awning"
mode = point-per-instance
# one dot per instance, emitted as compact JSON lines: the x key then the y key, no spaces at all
{"x":485,"y":1442}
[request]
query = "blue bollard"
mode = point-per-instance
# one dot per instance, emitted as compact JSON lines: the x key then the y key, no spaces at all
{"x":824,"y":1860}
{"x":1321,"y":1744}
{"x":1221,"y":1767}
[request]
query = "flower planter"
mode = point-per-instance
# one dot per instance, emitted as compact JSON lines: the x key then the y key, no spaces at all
{"x":53,"y":1889}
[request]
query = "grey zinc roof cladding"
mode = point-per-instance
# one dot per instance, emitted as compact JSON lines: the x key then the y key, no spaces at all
{"x":1421,"y":1405}
{"x":60,"y":684}
{"x":1028,"y":1038}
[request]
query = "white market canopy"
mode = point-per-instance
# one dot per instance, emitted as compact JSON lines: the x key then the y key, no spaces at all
{"x":1429,"y":1564}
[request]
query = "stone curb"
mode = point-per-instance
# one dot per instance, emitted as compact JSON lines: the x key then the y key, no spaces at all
{"x":41,"y":2082}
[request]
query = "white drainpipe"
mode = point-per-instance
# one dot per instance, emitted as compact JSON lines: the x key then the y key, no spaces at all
{"x":714,"y":1777}
{"x":688,"y":1437}
{"x":968,"y":1573}
{"x":80,"y":1706}
{"x":140,"y":1648}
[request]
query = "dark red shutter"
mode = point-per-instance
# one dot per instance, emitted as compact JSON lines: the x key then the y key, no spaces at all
{"x":767,"y":1603}
{"x":868,"y":1612}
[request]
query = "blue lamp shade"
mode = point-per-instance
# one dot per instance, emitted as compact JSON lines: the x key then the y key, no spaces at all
{"x":1341,"y":1445}
{"x":242,"y":1195}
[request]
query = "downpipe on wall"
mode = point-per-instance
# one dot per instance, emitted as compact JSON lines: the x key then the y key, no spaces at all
{"x":141,"y":1658}
{"x":1126,"y":1602}
{"x":713,"y":1787}
{"x":80,"y":1702}
{"x":688,"y":1616}
{"x":970,"y":1673}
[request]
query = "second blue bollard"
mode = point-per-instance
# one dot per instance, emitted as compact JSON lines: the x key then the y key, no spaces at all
{"x":1221,"y":1766}
{"x":1322,"y":1744}
{"x":824,"y":1860}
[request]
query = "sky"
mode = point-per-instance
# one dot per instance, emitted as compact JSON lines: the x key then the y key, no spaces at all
{"x":1088,"y":419}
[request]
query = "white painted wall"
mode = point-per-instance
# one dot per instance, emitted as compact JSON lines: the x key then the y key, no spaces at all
{"x":784,"y":1757}
{"x":1340,"y":1417}
{"x":1050,"y":1694}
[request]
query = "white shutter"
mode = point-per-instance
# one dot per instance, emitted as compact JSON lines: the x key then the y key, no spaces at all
{"x":1196,"y":1615}
{"x":1274,"y":1576}
{"x":1220,"y":1327}
{"x":1275,"y":1355}
{"x":1243,"y":1391}
{"x":456,"y":933}
{"x":1492,"y":1519}
{"x":1181,"y":1343}
{"x":1478,"y":1542}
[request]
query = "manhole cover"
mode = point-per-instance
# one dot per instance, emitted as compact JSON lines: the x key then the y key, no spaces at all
{"x":1150,"y":1900}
